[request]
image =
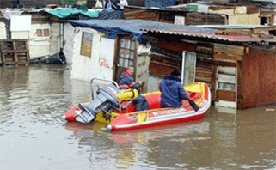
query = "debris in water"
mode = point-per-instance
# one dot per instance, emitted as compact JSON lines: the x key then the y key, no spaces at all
{"x":270,"y":109}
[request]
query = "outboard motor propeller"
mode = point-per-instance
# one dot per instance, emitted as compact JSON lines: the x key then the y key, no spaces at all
{"x":106,"y":96}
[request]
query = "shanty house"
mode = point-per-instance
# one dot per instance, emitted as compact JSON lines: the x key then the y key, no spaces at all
{"x":104,"y":48}
{"x":200,"y":14}
{"x":38,"y":32}
{"x":238,"y":63}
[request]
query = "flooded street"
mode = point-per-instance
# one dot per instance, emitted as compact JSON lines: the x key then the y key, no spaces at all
{"x":34,"y":135}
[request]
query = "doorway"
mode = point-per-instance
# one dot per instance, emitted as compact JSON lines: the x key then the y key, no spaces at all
{"x":226,"y":86}
{"x":125,"y":56}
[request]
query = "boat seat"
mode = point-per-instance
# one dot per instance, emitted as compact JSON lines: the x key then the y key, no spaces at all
{"x":154,"y":100}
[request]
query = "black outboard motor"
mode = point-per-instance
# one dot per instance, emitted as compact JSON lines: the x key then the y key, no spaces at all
{"x":105,"y":101}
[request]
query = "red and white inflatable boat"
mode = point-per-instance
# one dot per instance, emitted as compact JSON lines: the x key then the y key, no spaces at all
{"x":114,"y":111}
{"x":199,"y":92}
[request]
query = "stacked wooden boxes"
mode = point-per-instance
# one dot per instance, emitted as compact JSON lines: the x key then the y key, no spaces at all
{"x":14,"y":51}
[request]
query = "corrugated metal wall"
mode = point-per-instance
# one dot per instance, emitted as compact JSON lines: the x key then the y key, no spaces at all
{"x":258,"y":79}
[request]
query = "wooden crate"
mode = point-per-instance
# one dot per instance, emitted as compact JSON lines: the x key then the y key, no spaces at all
{"x":14,"y":51}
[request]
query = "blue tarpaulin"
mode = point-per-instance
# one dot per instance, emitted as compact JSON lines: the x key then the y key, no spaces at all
{"x":113,"y":27}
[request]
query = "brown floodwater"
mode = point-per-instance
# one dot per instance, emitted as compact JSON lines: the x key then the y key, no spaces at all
{"x":34,"y":135}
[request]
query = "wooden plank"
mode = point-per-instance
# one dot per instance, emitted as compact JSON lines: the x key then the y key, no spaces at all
{"x":231,"y":52}
{"x":145,"y":15}
{"x":161,"y":70}
{"x":206,"y":19}
{"x":176,"y":45}
{"x":226,"y":95}
{"x":134,"y":12}
{"x":225,"y":63}
{"x":227,"y":56}
{"x":204,"y":66}
{"x":232,"y":49}
{"x":15,"y":54}
{"x":203,"y":73}
{"x":203,"y":79}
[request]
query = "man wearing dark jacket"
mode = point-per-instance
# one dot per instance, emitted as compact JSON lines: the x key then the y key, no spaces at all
{"x":126,"y":81}
{"x":172,"y":90}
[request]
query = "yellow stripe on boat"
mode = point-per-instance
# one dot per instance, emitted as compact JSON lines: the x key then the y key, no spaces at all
{"x":143,"y":117}
{"x":106,"y":119}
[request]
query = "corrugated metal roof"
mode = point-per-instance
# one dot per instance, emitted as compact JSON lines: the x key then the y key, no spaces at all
{"x":235,"y":26}
{"x":138,"y":27}
{"x":135,"y":27}
{"x":209,"y":35}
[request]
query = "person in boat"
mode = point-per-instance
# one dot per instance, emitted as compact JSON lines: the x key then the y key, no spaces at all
{"x":172,"y":91}
{"x":126,"y":80}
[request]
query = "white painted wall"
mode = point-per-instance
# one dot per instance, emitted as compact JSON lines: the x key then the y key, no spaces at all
{"x":85,"y":68}
{"x":55,"y":38}
{"x":69,"y":36}
{"x":19,"y":34}
{"x":39,"y":46}
{"x":20,"y":26}
{"x":3,"y":31}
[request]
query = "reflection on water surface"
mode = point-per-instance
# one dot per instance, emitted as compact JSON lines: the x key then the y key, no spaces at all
{"x":34,"y":134}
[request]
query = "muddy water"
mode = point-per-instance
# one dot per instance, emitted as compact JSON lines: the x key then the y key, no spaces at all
{"x":33,"y":134}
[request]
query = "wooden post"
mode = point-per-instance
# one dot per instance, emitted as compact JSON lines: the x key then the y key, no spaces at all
{"x":3,"y":57}
{"x":27,"y":52}
{"x":239,"y":85}
{"x":214,"y":81}
{"x":15,"y":53}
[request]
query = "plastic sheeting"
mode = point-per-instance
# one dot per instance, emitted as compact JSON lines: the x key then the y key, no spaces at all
{"x":8,"y":13}
{"x":63,"y":13}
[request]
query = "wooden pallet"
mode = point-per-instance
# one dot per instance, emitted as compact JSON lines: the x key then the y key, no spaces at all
{"x":14,"y":51}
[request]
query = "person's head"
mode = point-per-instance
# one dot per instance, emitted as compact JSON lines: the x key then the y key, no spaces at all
{"x":175,"y":73}
{"x":129,"y":70}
